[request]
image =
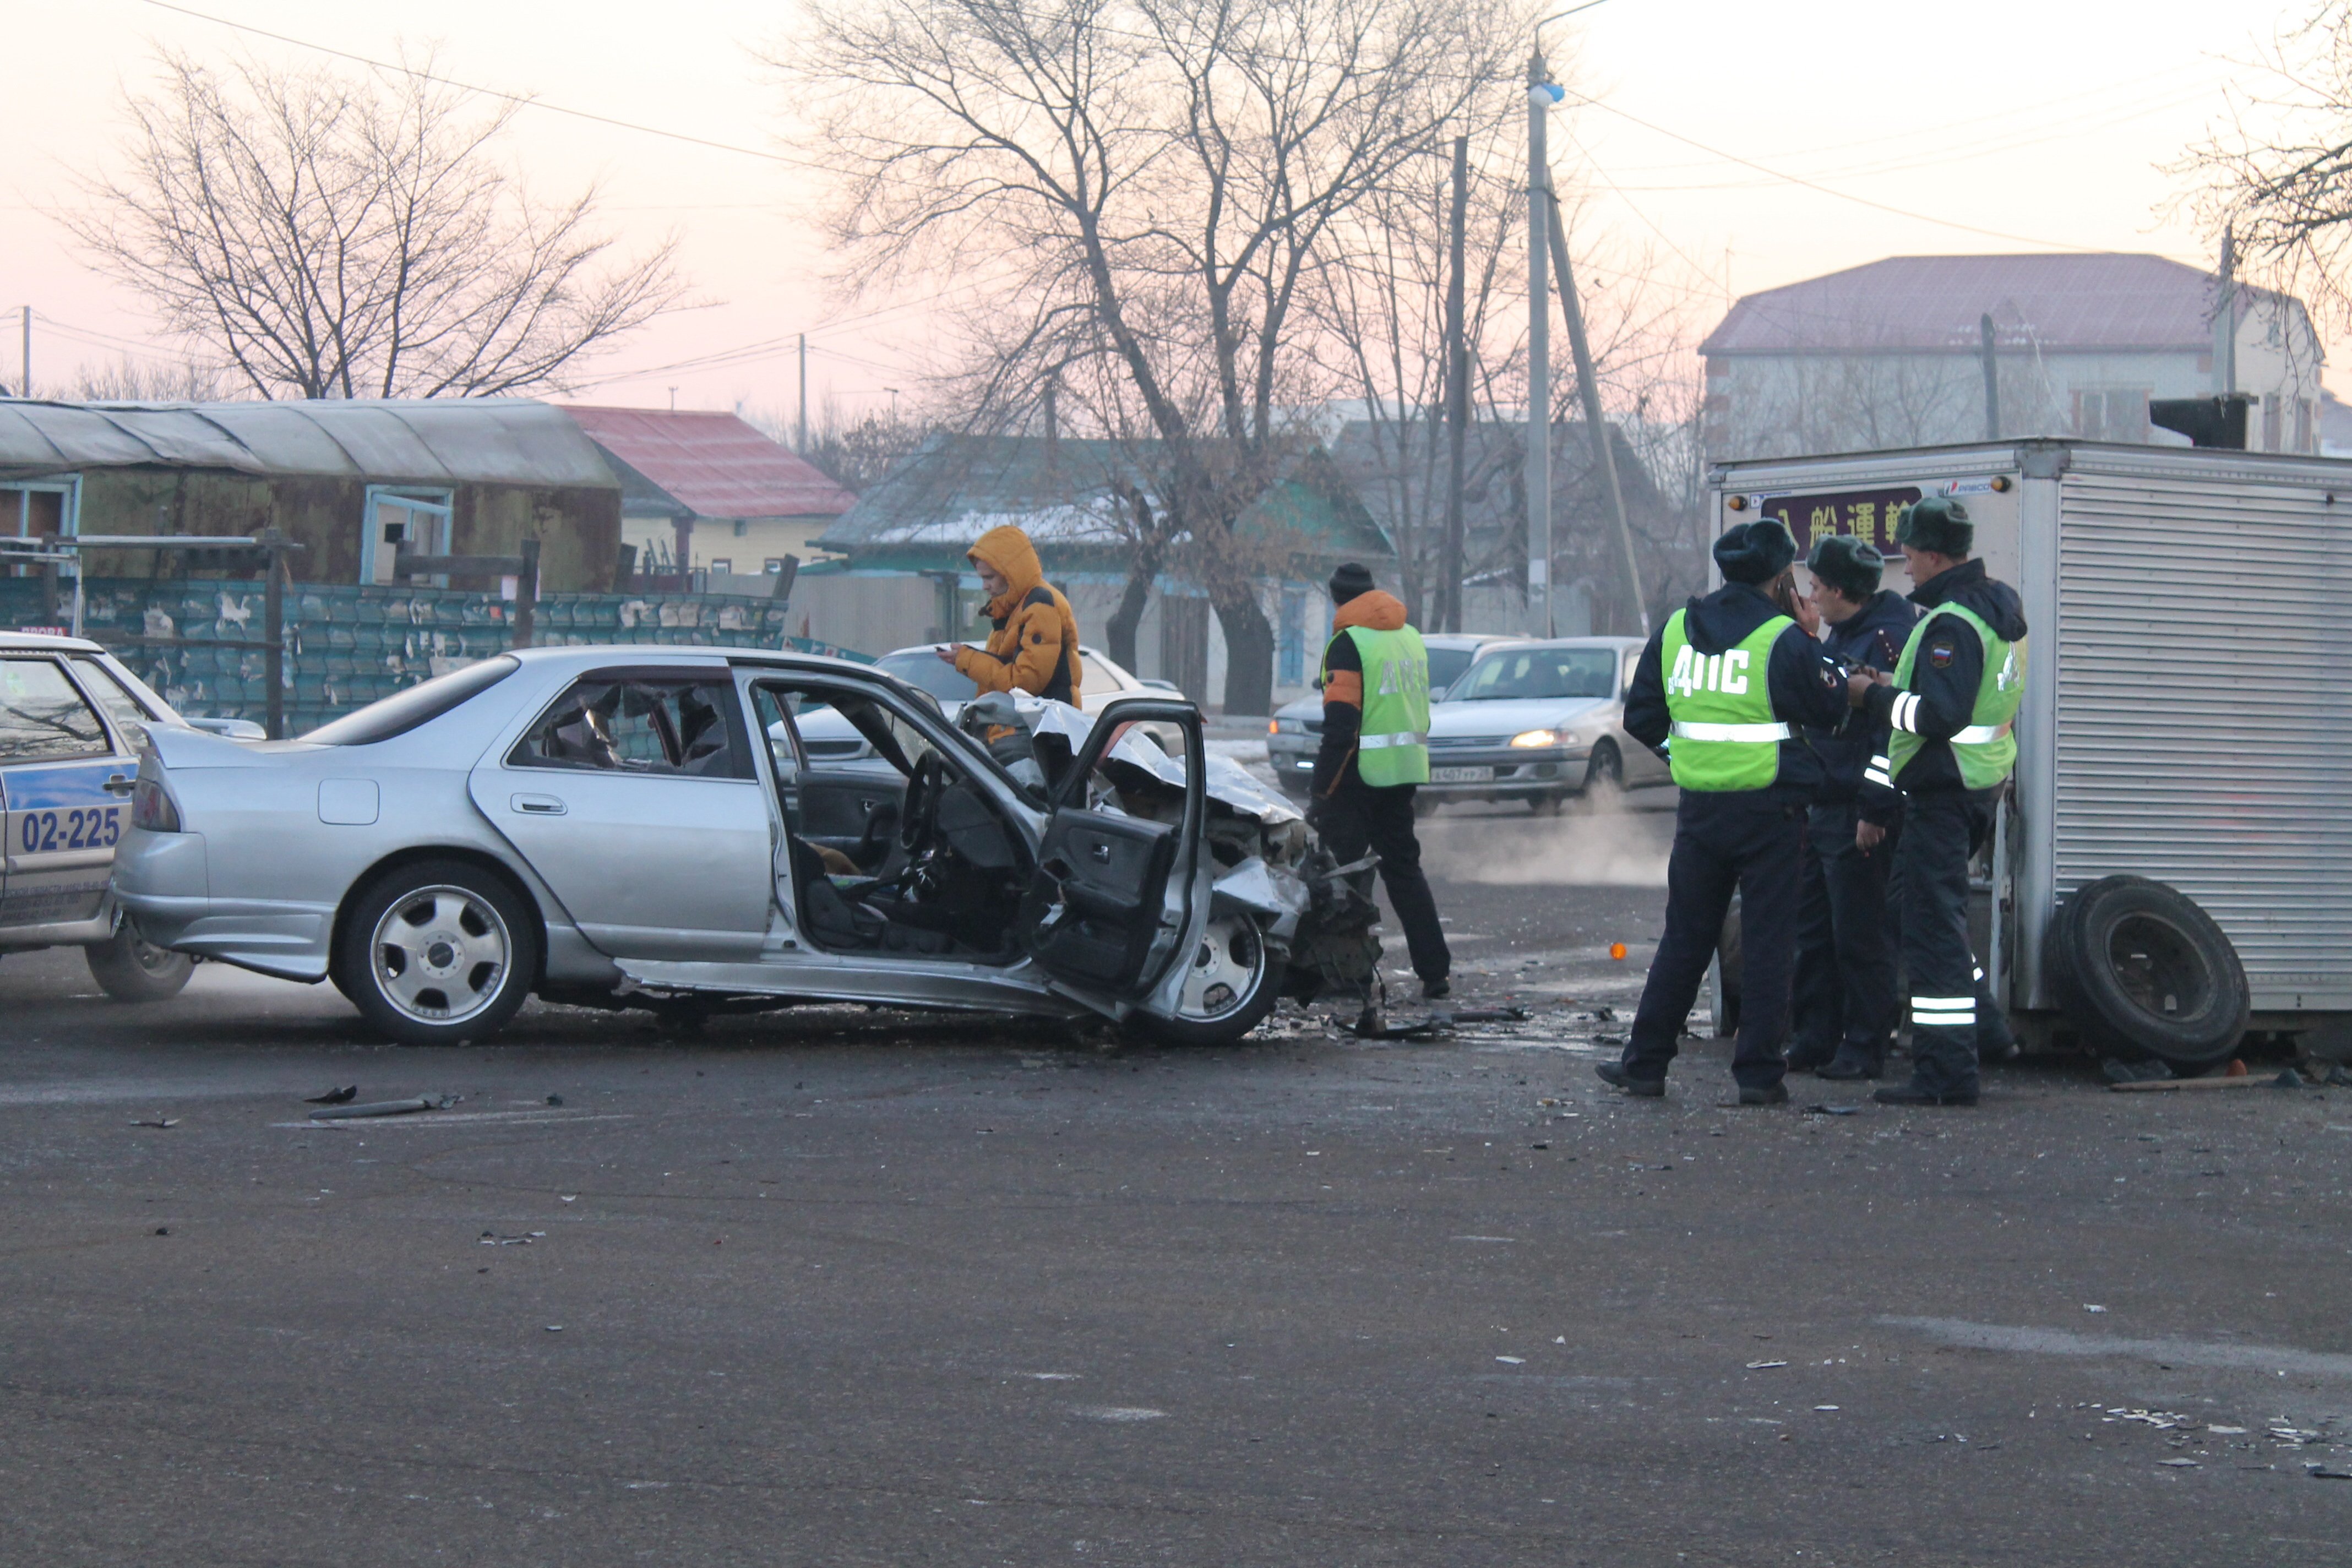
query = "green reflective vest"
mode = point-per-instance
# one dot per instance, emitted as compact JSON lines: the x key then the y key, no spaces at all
{"x":1725,"y":735}
{"x":1987,"y":750}
{"x":1392,"y":741}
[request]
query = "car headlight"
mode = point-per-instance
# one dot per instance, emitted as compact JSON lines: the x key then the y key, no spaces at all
{"x":1532,"y":738}
{"x":1285,"y":726}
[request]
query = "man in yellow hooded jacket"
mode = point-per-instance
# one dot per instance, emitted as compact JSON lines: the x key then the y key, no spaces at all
{"x":1033,"y":645}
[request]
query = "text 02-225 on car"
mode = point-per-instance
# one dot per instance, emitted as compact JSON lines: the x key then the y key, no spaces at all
{"x":72,"y":718}
{"x":633,"y":826}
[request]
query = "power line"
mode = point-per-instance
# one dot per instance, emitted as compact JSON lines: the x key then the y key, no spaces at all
{"x":518,"y":99}
{"x":1830,"y":191}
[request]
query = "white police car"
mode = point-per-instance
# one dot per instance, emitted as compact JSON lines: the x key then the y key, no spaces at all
{"x":71,"y":721}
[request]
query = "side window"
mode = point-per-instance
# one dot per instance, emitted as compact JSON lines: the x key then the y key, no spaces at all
{"x":42,"y":718}
{"x":129,"y":715}
{"x":680,"y":727}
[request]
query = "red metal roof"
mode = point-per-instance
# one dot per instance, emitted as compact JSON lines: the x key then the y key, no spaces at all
{"x":713,"y":464}
{"x":1933,"y":302}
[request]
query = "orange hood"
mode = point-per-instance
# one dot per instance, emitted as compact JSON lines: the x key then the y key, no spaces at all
{"x":1375,"y":610}
{"x":1007,"y":550}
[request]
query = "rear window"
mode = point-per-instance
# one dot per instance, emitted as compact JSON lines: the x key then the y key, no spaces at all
{"x":404,"y":711}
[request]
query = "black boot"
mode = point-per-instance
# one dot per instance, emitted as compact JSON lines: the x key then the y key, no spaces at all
{"x":1617,"y":1076}
{"x":1852,"y":1065}
{"x":1809,"y":1058}
{"x":1770,"y":1094}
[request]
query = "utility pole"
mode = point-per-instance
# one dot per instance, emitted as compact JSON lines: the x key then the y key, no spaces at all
{"x":2225,"y":317}
{"x":1457,"y":396}
{"x":24,"y":388}
{"x":1991,"y":378}
{"x":1604,"y":454}
{"x":802,"y":447}
{"x":1541,"y":96}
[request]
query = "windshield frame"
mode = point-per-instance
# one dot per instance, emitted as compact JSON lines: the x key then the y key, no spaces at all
{"x":915,"y":662}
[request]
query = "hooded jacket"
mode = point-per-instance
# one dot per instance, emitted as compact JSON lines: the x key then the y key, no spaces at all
{"x":1343,"y":689}
{"x":1033,"y":646}
{"x":1807,"y":690}
{"x":1874,"y":637}
{"x":1947,"y":687}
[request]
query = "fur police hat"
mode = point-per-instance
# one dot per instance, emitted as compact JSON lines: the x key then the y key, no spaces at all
{"x":1755,"y":552}
{"x":1939,"y":523}
{"x":1847,"y":564}
{"x":1352,"y":578}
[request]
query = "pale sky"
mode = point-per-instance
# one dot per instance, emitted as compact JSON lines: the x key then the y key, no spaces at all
{"x":2043,"y":119}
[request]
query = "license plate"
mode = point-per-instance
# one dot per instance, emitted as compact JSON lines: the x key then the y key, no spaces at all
{"x":1460,"y":775}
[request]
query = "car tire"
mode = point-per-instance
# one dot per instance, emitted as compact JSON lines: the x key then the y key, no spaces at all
{"x":437,"y":953}
{"x":2141,"y":968}
{"x":1234,"y":954}
{"x":129,"y":968}
{"x":1604,"y":769}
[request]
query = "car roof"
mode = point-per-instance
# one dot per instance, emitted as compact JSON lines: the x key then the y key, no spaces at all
{"x":1468,"y":639}
{"x":44,"y":642}
{"x":1582,"y":642}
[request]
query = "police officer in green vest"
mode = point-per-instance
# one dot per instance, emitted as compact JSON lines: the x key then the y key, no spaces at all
{"x":1375,"y":754}
{"x":1951,"y":708}
{"x":1724,"y":689}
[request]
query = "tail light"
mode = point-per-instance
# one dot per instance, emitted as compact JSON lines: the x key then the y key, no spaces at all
{"x":152,"y":807}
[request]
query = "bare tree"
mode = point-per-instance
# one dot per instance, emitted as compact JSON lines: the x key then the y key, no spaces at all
{"x":1160,"y":175}
{"x":329,"y":236}
{"x":128,"y":380}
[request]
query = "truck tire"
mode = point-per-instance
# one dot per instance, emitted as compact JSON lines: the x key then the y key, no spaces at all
{"x":2141,"y":968}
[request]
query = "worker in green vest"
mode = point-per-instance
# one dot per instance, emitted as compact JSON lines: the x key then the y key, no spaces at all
{"x":1724,"y":690}
{"x":1375,"y":754}
{"x":1951,"y":708}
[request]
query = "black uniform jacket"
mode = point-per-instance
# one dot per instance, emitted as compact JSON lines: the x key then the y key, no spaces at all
{"x":1873,"y":636}
{"x":1948,"y":672}
{"x":1806,"y":689}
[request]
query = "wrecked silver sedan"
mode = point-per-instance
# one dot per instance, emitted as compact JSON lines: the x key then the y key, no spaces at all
{"x":645,"y":827}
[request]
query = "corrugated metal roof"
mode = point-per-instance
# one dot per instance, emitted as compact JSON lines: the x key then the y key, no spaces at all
{"x":1934,"y":303}
{"x":503,"y":440}
{"x":713,"y":464}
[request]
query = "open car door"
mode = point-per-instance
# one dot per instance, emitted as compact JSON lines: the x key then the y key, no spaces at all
{"x":1111,"y":901}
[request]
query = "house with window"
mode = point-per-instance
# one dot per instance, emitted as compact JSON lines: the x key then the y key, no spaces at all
{"x":902,"y":577}
{"x":706,"y":493}
{"x":1893,"y":355}
{"x":352,"y":482}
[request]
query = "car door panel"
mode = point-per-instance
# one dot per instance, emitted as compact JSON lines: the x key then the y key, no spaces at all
{"x":649,"y":859}
{"x":61,"y":814}
{"x":1112,"y":895}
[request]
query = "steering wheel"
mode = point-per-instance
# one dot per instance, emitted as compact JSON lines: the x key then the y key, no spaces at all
{"x":924,"y":792}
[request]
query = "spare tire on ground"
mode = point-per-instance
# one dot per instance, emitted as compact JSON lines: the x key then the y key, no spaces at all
{"x":2141,"y":968}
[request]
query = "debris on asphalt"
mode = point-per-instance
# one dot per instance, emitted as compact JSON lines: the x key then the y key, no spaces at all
{"x":1371,"y":1025}
{"x":2143,"y":1085}
{"x":554,"y":1100}
{"x":163,"y":1230}
{"x":381,"y":1108}
{"x":2120,"y":1071}
{"x":2178,"y":1464}
{"x":2322,"y":1473}
{"x":159,"y":1121}
{"x":492,"y":1238}
{"x":1483,"y":1016}
{"x":2287,"y":1078}
{"x":1831,"y":1110}
{"x":1765,"y":1365}
{"x":1512,"y":1360}
{"x":342,"y":1096}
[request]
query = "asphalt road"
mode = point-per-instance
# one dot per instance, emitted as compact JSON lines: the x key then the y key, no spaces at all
{"x":840,"y":1288}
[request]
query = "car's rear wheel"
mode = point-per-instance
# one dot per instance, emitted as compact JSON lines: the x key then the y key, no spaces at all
{"x":1230,"y":985}
{"x":129,"y":968}
{"x":437,"y":954}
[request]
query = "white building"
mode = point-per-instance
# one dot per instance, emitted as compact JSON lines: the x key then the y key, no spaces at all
{"x":1892,"y":354}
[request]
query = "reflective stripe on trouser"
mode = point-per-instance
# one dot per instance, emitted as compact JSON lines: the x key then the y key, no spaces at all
{"x":1932,"y":863}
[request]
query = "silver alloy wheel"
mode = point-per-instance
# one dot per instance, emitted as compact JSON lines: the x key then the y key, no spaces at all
{"x":1226,"y":968}
{"x":439,"y":954}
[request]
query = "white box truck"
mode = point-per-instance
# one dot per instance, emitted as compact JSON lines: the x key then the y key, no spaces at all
{"x":2188,"y":721}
